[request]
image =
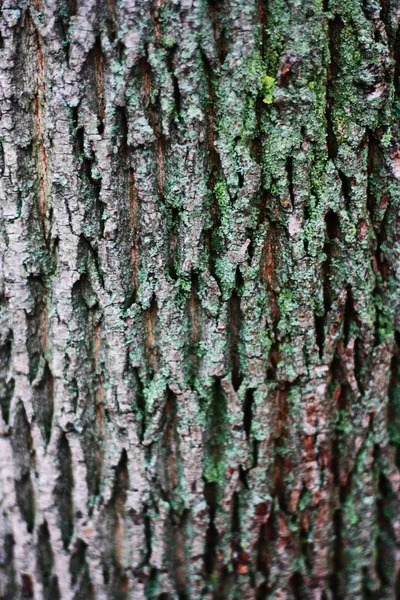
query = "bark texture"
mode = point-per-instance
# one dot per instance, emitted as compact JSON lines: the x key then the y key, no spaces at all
{"x":200,"y":299}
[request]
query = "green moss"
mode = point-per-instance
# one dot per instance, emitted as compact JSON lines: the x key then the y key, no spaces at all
{"x":268,"y":85}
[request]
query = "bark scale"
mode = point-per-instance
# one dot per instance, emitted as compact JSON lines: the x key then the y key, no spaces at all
{"x":199,"y":296}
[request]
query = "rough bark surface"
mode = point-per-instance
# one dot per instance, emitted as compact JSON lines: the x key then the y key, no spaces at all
{"x":200,"y":299}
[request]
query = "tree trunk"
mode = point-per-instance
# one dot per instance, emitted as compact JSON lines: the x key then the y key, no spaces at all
{"x":200,"y":299}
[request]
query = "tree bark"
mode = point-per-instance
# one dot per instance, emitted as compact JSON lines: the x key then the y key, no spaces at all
{"x":200,"y":299}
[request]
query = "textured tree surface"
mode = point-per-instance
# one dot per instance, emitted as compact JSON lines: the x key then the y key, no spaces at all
{"x":200,"y":299}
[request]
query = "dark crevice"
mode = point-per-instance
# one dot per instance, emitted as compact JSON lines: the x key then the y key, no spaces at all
{"x":216,"y":432}
{"x":170,"y":463}
{"x":152,"y":110}
{"x":296,"y":585}
{"x":26,"y":586}
{"x":122,"y":132}
{"x":121,"y":481}
{"x":332,"y":225}
{"x":336,"y":577}
{"x":45,"y":562}
{"x":281,"y":466}
{"x":360,"y":360}
{"x":250,"y":248}
{"x":210,"y":106}
{"x":91,"y":374}
{"x":266,"y":540}
{"x":235,"y":319}
{"x":268,"y":271}
{"x":342,"y":479}
{"x":106,"y":575}
{"x":6,"y":395}
{"x":2,"y":163}
{"x":78,"y":560}
{"x":211,"y":253}
{"x":24,"y":457}
{"x":346,"y":189}
{"x":179,"y":558}
{"x":384,"y":15}
{"x":212,"y":244}
{"x":86,"y":589}
{"x":93,"y":74}
{"x":289,"y":171}
{"x":140,"y":402}
{"x":381,"y":260}
{"x":94,"y":188}
{"x":256,"y":444}
{"x":306,"y":220}
{"x":113,"y":567}
{"x":393,"y":407}
{"x":7,"y":569}
{"x":331,"y":233}
{"x":386,"y":539}
{"x":319,"y":324}
{"x":375,"y":201}
{"x":273,"y":361}
{"x":88,"y":258}
{"x":151,"y":326}
{"x":36,"y":325}
{"x":279,"y":481}
{"x":248,"y":412}
{"x":79,"y":143}
{"x":217,"y":14}
{"x":334,"y":28}
{"x":100,"y":127}
{"x":262,"y":512}
{"x":66,"y":9}
{"x":237,"y":560}
{"x":99,"y":69}
{"x":306,"y":549}
{"x":264,"y":205}
{"x":7,"y":384}
{"x":256,"y":144}
{"x":349,"y":316}
{"x":262,"y":20}
{"x":370,"y":9}
{"x":63,"y":491}
{"x":173,"y":220}
{"x":215,"y":171}
{"x":79,"y":570}
{"x":371,"y":165}
{"x":262,"y":592}
{"x":240,"y":558}
{"x":177,"y":95}
{"x":396,"y":57}
{"x":111,"y":20}
{"x":43,"y":396}
{"x":243,"y":478}
{"x":147,"y":534}
{"x":341,"y":407}
{"x":134,"y":220}
{"x":130,"y":300}
{"x":83,"y":295}
{"x":175,"y":84}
